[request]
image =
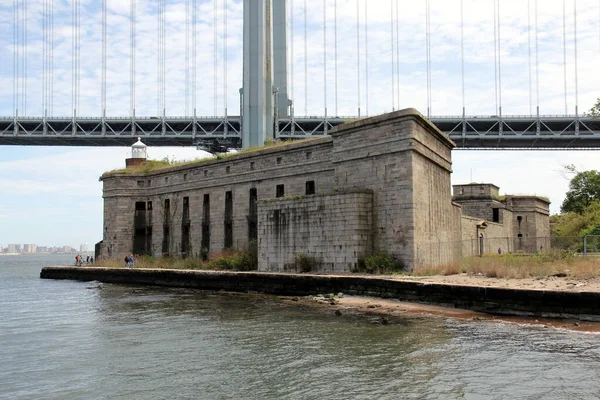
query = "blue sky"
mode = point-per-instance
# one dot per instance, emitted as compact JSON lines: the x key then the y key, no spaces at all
{"x":51,"y":195}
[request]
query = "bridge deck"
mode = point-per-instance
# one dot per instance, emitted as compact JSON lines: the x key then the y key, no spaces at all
{"x":472,"y":132}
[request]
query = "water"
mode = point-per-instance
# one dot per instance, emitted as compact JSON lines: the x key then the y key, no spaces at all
{"x":74,"y":340}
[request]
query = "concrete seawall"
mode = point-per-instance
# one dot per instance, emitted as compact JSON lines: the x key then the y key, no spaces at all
{"x":500,"y":301}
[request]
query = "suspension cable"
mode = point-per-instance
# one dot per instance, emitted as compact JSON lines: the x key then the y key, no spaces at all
{"x":215,"y":56}
{"x":44,"y":52}
{"x":499,"y":62}
{"x":576,"y":66}
{"x":537,"y":59}
{"x":194,"y":55}
{"x":104,"y":57}
{"x":15,"y":57}
{"x":24,"y":57}
{"x":529,"y":54}
{"x":393,"y":61}
{"x":187,"y":57}
{"x":305,"y":63}
{"x":158,"y":58}
{"x":398,"y":52}
{"x":366,"y":59}
{"x":428,"y":55}
{"x":495,"y":58}
{"x":51,"y":58}
{"x":358,"y":51}
{"x":132,"y":55}
{"x":225,"y":56}
{"x":565,"y":54}
{"x":335,"y":37}
{"x":292,"y":55}
{"x":462,"y":52}
{"x":325,"y":56}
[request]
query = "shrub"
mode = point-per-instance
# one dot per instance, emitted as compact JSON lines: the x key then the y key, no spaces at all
{"x":379,"y":263}
{"x":306,"y":263}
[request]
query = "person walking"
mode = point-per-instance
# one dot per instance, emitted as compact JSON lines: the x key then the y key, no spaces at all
{"x":126,"y":261}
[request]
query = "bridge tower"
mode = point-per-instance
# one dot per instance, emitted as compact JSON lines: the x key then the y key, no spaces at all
{"x":264,"y":92}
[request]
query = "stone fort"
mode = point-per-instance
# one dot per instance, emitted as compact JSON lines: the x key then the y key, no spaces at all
{"x":380,"y":184}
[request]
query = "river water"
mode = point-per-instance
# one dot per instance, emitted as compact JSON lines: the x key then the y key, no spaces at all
{"x":75,"y":340}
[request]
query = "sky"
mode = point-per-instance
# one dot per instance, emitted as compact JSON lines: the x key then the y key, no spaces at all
{"x":52,"y":196}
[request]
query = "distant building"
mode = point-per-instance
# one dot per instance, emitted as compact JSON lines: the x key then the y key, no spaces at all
{"x":83,"y":248}
{"x":29,"y":248}
{"x":13,"y":248}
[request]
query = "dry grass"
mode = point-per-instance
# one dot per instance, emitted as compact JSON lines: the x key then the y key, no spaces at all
{"x":552,"y":263}
{"x":157,"y":165}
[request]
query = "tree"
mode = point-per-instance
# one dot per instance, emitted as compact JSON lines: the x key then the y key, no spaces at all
{"x":584,"y":189}
{"x":595,"y":110}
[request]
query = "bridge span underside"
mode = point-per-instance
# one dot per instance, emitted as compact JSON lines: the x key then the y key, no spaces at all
{"x":218,"y":133}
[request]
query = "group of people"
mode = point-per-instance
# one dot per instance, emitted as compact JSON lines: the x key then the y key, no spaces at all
{"x":129,"y":260}
{"x":79,"y":260}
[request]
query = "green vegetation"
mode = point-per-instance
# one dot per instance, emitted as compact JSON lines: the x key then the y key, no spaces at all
{"x":379,"y":263}
{"x":226,"y":260}
{"x":584,"y":189}
{"x":595,"y":110}
{"x":157,"y":165}
{"x":306,"y":263}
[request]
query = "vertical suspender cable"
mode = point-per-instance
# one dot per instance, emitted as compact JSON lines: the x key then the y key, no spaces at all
{"x":576,"y":66}
{"x":393,"y":65}
{"x":132,"y":55}
{"x":78,"y":54}
{"x":499,"y":63}
{"x":215,"y":56}
{"x":565,"y":54}
{"x":187,"y":57}
{"x":73,"y":56}
{"x":358,"y":51}
{"x":495,"y":59}
{"x":158,"y":49}
{"x":427,"y":57}
{"x":305,"y":63}
{"x":225,"y":56}
{"x":398,"y":52}
{"x":44,"y":15}
{"x":325,"y":56}
{"x":335,"y":38}
{"x":529,"y":53}
{"x":462,"y":52}
{"x":194,"y":61}
{"x":104,"y":57}
{"x":366,"y":59}
{"x":24,"y":96}
{"x":15,"y":59}
{"x":292,"y":53}
{"x":51,"y":57}
{"x":537,"y":59}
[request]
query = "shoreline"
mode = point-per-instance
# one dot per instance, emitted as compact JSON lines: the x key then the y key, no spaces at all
{"x":492,"y":300}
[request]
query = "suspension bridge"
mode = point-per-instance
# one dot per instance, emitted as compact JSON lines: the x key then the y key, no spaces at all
{"x":280,"y":59}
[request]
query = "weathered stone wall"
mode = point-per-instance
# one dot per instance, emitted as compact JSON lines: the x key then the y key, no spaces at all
{"x":291,"y":165}
{"x":335,"y":229}
{"x":405,"y":161}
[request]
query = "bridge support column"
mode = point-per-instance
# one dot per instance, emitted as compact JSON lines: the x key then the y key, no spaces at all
{"x":258,"y":115}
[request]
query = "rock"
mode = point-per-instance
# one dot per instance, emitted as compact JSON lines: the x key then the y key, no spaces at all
{"x":295,"y":299}
{"x":576,"y":324}
{"x":340,"y":295}
{"x":383,"y":321}
{"x":338,"y":312}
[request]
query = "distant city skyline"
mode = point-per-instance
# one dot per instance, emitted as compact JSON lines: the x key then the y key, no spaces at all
{"x":32,"y":248}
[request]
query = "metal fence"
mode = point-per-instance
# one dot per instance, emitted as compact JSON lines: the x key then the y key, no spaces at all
{"x":448,"y":253}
